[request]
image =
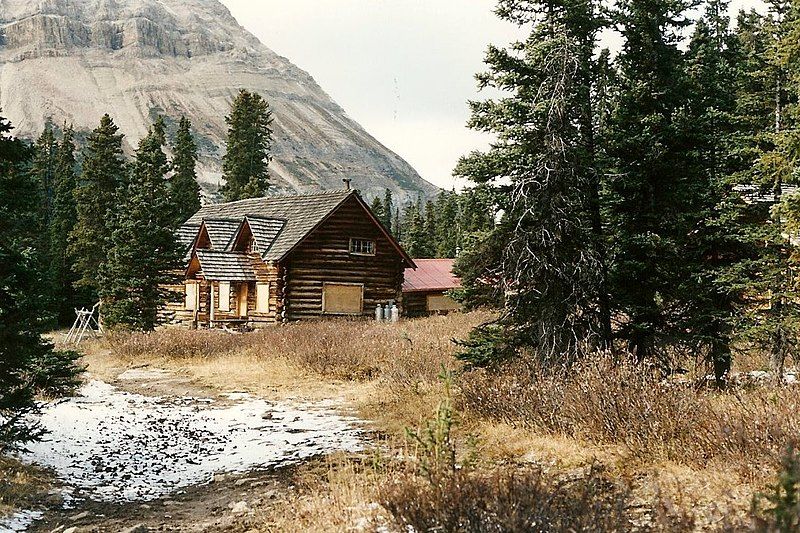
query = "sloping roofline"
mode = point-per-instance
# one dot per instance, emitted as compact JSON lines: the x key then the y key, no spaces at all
{"x":365,"y":207}
{"x":327,"y":203}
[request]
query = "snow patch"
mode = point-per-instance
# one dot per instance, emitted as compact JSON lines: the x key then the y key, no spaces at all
{"x":116,"y":446}
{"x":20,"y":521}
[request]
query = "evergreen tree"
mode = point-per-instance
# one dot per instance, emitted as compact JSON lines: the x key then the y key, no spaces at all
{"x":551,"y":261}
{"x":144,"y":253}
{"x":448,"y":230}
{"x":654,"y":195}
{"x":757,"y":214}
{"x":246,"y":162}
{"x":43,"y":169}
{"x":62,"y":269}
{"x":28,"y":365}
{"x":378,"y":211}
{"x":96,"y":198}
{"x":414,"y":235}
{"x":184,"y":189}
{"x":711,"y":62}
{"x":431,"y":229}
{"x":389,"y":212}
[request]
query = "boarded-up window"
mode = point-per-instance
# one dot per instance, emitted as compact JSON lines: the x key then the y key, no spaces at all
{"x":342,"y":299}
{"x":441,"y":303}
{"x":192,"y":295}
{"x":262,"y":298}
{"x":225,"y":296}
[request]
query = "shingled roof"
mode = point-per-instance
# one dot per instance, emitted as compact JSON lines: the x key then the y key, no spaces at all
{"x":225,"y":266}
{"x":221,"y":231}
{"x":265,"y":231}
{"x":301,"y":213}
{"x":186,"y":236}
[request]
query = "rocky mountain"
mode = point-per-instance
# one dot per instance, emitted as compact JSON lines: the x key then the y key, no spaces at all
{"x":74,"y":60}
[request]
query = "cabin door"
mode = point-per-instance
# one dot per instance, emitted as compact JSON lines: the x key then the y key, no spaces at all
{"x":243,"y":295}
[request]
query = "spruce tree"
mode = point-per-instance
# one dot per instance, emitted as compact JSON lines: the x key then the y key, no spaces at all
{"x":43,"y":169}
{"x":184,"y":189}
{"x":551,"y":262}
{"x":448,"y":229}
{"x":389,"y":212}
{"x":144,"y":253}
{"x":396,"y":227}
{"x":246,"y":161}
{"x":377,"y":210}
{"x":96,"y":198}
{"x":62,"y":268}
{"x":654,"y":192}
{"x":414,"y":235}
{"x":757,"y":213}
{"x":28,"y":365}
{"x":711,"y":62}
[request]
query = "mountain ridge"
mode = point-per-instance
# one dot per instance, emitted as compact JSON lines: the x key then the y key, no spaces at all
{"x":74,"y":60}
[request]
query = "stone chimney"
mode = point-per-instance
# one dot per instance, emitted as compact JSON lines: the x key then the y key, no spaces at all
{"x":347,"y":182}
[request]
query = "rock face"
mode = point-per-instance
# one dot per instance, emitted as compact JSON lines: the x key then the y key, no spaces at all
{"x":74,"y":60}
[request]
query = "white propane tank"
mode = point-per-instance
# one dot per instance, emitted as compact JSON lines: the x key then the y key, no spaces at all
{"x":379,"y":313}
{"x":395,"y":314}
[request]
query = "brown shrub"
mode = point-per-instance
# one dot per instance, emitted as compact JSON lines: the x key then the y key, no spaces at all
{"x":411,"y":352}
{"x":20,"y":484}
{"x":610,"y":402}
{"x":524,"y":498}
{"x":173,"y":344}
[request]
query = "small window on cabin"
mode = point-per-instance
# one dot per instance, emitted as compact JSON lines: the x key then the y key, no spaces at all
{"x":253,"y":246}
{"x":224,"y":296}
{"x":362,"y":247}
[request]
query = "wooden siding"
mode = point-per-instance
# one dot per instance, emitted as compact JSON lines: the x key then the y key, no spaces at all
{"x":324,"y":256}
{"x":415,"y":304}
{"x":265,"y":273}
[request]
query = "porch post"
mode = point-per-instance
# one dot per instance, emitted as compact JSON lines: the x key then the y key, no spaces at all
{"x":213,"y":306}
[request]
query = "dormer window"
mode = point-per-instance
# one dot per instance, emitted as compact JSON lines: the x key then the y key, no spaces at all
{"x":362,"y":247}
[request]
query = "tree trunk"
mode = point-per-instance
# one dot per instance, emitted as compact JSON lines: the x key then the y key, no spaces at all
{"x":721,"y":359}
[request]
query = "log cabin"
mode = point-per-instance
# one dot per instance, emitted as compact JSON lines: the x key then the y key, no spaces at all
{"x":284,"y":258}
{"x":425,"y":288}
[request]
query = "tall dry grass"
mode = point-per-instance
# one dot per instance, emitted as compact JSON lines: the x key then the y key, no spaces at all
{"x":521,"y":413}
{"x":20,"y":484}
{"x":413,"y":351}
{"x":611,"y":402}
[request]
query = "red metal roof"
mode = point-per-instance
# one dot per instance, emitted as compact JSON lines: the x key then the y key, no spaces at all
{"x":431,"y":275}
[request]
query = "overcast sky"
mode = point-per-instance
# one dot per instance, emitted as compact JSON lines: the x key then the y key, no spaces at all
{"x":403,"y":69}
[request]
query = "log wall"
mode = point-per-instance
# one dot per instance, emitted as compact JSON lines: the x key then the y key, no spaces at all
{"x":415,"y":304}
{"x":325,"y":257}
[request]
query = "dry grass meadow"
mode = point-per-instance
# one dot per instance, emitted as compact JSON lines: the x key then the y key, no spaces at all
{"x":607,"y":447}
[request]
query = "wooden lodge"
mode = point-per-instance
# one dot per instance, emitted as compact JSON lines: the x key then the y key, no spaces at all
{"x":425,"y":287}
{"x":283,"y":258}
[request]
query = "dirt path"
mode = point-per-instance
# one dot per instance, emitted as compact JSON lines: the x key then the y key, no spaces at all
{"x":225,"y":505}
{"x":153,"y":450}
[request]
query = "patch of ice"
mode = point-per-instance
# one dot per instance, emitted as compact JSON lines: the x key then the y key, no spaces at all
{"x":144,"y":374}
{"x":238,"y":395}
{"x":116,"y":446}
{"x":20,"y":521}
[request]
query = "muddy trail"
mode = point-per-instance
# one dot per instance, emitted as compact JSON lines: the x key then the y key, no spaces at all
{"x":150,"y":451}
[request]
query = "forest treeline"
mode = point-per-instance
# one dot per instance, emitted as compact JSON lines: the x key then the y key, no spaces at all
{"x":87,"y":224}
{"x":647,"y":194}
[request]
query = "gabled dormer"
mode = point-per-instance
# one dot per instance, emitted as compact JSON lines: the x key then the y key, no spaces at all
{"x":256,"y":234}
{"x":216,"y":234}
